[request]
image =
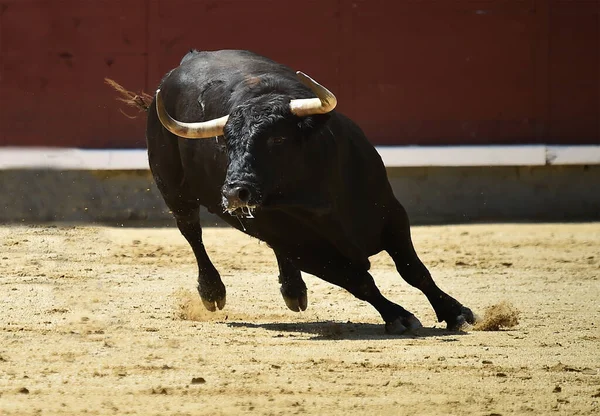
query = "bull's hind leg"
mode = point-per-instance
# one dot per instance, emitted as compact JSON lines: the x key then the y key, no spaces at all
{"x":397,"y":319}
{"x":356,"y":279}
{"x":293,"y":288}
{"x":399,"y":245}
{"x":210,"y":286}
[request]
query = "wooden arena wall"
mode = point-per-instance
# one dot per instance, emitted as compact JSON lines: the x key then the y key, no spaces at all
{"x":409,"y":72}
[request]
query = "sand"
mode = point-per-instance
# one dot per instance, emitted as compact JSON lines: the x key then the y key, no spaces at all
{"x":100,"y":320}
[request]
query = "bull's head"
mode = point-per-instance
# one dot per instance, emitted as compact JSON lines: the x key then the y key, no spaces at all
{"x":263,"y":136}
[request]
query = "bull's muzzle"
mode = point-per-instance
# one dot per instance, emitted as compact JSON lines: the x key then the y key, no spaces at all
{"x":239,"y":195}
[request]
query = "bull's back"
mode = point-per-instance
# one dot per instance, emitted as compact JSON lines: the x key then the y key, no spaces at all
{"x":209,"y":85}
{"x":225,"y":63}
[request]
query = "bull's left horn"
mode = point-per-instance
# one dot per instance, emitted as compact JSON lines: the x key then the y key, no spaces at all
{"x":325,"y":102}
{"x":200,"y":130}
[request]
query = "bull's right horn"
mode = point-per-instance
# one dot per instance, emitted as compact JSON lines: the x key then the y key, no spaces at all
{"x":200,"y":130}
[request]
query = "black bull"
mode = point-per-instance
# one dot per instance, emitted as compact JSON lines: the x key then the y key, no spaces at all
{"x":308,"y":184}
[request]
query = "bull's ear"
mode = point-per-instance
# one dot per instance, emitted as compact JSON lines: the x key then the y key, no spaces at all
{"x":313,"y":124}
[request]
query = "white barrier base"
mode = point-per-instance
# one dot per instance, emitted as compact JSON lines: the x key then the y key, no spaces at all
{"x":393,"y":156}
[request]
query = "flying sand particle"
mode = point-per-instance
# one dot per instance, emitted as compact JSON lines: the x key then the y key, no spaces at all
{"x":498,"y":316}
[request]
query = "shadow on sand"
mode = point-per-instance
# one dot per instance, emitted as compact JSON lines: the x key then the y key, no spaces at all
{"x":332,"y":330}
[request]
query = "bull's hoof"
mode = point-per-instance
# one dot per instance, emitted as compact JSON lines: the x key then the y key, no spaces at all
{"x":402,"y":325}
{"x":458,"y":322}
{"x":212,"y":305}
{"x":213,"y":295}
{"x":296,"y":304}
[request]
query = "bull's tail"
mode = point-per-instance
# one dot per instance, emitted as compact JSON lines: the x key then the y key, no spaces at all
{"x":140,"y":101}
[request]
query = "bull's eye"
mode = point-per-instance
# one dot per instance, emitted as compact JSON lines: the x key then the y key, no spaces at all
{"x":276,"y":140}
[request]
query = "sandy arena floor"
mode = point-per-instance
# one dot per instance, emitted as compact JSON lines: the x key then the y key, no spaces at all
{"x":100,"y":320}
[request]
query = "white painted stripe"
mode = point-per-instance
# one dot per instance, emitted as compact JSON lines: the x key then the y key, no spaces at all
{"x":573,"y":155}
{"x":61,"y":158}
{"x":393,"y":156}
{"x":404,"y":156}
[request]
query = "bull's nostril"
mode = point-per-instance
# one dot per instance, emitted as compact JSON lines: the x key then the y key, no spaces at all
{"x":243,"y":195}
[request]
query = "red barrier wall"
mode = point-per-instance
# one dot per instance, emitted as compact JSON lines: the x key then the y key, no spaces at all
{"x":409,"y":72}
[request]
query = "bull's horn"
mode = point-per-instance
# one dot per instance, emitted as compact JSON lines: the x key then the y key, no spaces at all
{"x":200,"y":130}
{"x":325,"y":102}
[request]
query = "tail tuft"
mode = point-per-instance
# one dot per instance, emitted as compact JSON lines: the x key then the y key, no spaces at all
{"x":140,"y":101}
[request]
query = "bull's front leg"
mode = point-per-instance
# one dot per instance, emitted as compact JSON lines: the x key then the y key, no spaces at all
{"x":210,"y":286}
{"x":293,"y":288}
